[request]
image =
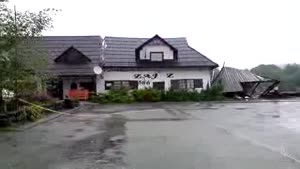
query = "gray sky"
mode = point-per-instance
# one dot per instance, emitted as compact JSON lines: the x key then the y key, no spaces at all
{"x":243,"y":33}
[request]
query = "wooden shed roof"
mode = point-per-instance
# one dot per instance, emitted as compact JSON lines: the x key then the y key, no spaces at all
{"x":232,"y":79}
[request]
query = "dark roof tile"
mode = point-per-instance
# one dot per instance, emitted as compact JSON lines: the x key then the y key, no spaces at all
{"x":54,"y":46}
{"x":120,"y":52}
{"x":232,"y":79}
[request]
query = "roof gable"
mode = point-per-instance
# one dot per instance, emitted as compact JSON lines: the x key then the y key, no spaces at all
{"x":72,"y":56}
{"x":156,"y":40}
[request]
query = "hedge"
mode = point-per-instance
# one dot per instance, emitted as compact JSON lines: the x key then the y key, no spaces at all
{"x":152,"y":95}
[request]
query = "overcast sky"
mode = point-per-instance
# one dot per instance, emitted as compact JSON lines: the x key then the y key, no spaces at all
{"x":243,"y":33}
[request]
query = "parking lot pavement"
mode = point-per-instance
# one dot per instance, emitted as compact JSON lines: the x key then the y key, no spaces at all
{"x":161,"y":135}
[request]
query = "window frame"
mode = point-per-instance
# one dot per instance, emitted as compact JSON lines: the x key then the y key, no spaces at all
{"x":185,"y":84}
{"x":132,"y":84}
{"x":162,"y":56}
{"x":156,"y":85}
{"x":198,"y":83}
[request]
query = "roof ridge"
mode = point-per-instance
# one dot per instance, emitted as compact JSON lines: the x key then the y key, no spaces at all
{"x":72,"y":36}
{"x":141,"y":37}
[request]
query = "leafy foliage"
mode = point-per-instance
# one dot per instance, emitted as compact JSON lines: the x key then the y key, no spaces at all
{"x":289,"y":75}
{"x":20,"y":63}
{"x":181,"y":95}
{"x":118,"y":96}
{"x":33,"y":113}
{"x":214,"y":93}
{"x":113,"y":96}
{"x":40,"y":98}
{"x":146,"y":95}
{"x":152,"y":95}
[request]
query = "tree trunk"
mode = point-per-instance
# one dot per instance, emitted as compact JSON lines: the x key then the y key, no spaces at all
{"x":3,"y":107}
{"x":1,"y":101}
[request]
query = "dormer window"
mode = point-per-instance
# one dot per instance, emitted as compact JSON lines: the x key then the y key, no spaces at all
{"x":156,"y":49}
{"x":157,"y":56}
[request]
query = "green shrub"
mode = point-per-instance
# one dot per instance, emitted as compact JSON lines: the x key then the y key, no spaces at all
{"x":181,"y":95}
{"x":118,"y":96}
{"x":113,"y":96}
{"x":97,"y":98}
{"x":152,"y":95}
{"x":213,"y":94}
{"x":33,"y":113}
{"x":146,"y":95}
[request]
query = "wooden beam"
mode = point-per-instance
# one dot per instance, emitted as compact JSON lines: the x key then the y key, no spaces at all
{"x":270,"y":88}
{"x":258,"y":83}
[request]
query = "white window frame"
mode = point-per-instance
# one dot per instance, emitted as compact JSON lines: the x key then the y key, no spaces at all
{"x":152,"y":54}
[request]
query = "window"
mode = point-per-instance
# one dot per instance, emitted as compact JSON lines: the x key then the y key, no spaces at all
{"x":121,"y":84}
{"x":190,"y":84}
{"x":186,"y":84}
{"x":182,"y":84}
{"x":198,"y":83}
{"x":88,"y":85}
{"x":133,"y":84}
{"x":156,"y":56}
{"x":108,"y":85}
{"x":159,"y":86}
{"x":73,"y":86}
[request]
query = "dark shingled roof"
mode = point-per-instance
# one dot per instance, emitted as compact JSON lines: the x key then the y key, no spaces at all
{"x":54,"y":46}
{"x":232,"y":78}
{"x":120,"y":53}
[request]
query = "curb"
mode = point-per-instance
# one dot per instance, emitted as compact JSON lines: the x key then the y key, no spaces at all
{"x":44,"y":120}
{"x":250,"y":101}
{"x":200,"y":102}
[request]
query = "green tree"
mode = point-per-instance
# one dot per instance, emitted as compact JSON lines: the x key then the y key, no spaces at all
{"x":289,"y":75}
{"x":20,"y":63}
{"x":271,"y":71}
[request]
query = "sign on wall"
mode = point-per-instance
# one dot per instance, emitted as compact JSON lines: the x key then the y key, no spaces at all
{"x":145,"y":79}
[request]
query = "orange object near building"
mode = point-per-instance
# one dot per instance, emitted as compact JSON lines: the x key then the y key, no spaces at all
{"x":79,"y":94}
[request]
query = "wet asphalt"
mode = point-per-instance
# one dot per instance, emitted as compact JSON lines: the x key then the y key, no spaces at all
{"x":262,"y":135}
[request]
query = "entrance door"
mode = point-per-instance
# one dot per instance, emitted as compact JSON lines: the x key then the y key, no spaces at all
{"x":90,"y":86}
{"x":55,"y":88}
{"x":159,"y":86}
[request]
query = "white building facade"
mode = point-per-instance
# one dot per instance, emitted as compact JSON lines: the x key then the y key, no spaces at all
{"x":132,"y":63}
{"x":163,"y":64}
{"x":158,"y":78}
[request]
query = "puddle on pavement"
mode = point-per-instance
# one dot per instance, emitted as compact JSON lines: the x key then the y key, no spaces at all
{"x":79,"y":130}
{"x":103,"y":150}
{"x":69,"y":136}
{"x":155,"y":119}
{"x":241,"y":108}
{"x":208,"y":106}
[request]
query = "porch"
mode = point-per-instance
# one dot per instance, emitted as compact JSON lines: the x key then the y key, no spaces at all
{"x":66,"y":86}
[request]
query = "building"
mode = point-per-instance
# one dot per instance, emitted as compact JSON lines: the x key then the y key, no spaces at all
{"x":238,"y":82}
{"x":71,"y":59}
{"x":135,"y":63}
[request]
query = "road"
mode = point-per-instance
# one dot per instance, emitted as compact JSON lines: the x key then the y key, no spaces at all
{"x":161,"y":136}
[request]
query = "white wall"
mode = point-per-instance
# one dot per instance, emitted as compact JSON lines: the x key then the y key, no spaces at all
{"x":162,"y":76}
{"x":66,"y":86}
{"x":168,"y":52}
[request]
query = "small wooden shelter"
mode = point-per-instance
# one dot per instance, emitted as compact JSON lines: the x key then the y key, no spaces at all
{"x":238,"y":82}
